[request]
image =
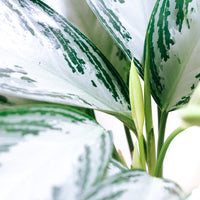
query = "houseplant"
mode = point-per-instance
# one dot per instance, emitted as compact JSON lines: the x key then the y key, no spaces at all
{"x":53,"y":151}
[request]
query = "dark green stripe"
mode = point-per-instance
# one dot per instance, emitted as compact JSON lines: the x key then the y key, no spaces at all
{"x":103,"y":158}
{"x":26,"y":126}
{"x":164,"y":36}
{"x":20,"y":16}
{"x":75,"y":63}
{"x":187,"y":2}
{"x":154,"y":71}
{"x":84,"y":170}
{"x":114,"y":20}
{"x":70,"y":97}
{"x":180,"y":13}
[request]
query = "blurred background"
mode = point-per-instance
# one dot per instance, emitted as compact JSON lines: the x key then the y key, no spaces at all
{"x":182,"y":162}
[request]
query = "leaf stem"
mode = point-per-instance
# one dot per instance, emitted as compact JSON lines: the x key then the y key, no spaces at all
{"x":158,"y":170}
{"x":159,"y":115}
{"x":161,"y":130}
{"x":151,"y":149}
{"x":129,"y":140}
{"x":142,"y":151}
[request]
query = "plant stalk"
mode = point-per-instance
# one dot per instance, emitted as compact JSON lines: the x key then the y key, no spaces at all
{"x":142,"y":151}
{"x":129,"y":140}
{"x":151,"y":149}
{"x":161,"y":130}
{"x":159,"y":166}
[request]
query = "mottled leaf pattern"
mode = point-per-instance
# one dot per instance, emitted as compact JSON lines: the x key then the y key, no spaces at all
{"x":115,"y":167}
{"x":126,"y":21}
{"x":81,"y":16}
{"x":43,"y":57}
{"x":174,"y":42}
{"x":43,"y":147}
{"x":135,"y":185}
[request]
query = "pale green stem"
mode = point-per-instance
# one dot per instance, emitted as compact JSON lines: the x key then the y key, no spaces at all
{"x":158,"y":171}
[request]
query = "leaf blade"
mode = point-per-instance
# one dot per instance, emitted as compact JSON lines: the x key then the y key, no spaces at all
{"x":81,"y":16}
{"x":131,"y":184}
{"x":126,"y":21}
{"x":53,"y":62}
{"x":45,"y":137}
{"x":174,"y":68}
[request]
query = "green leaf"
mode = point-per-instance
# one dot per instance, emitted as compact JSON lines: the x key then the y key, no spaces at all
{"x":81,"y":16}
{"x":174,"y":41}
{"x":45,"y":147}
{"x":44,"y":58}
{"x":135,"y":185}
{"x":126,"y":21}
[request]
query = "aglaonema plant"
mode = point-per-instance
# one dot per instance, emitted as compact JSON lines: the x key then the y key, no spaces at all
{"x":53,"y":78}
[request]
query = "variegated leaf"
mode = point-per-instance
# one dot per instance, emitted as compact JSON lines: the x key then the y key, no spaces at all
{"x":135,"y":185}
{"x":43,"y":147}
{"x":174,"y":42}
{"x":115,"y":167}
{"x":43,"y":57}
{"x":81,"y":16}
{"x":126,"y":21}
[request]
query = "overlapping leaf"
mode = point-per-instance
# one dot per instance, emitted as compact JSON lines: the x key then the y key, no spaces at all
{"x":43,"y":57}
{"x":135,"y":185}
{"x":126,"y":21}
{"x":81,"y":16}
{"x":43,"y":147}
{"x":174,"y":41}
{"x":115,"y":167}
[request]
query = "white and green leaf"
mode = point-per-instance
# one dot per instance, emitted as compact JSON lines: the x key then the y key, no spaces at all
{"x":115,"y":167}
{"x":80,"y":15}
{"x":135,"y":185}
{"x":44,"y":58}
{"x":45,"y":147}
{"x":174,"y":42}
{"x":126,"y":21}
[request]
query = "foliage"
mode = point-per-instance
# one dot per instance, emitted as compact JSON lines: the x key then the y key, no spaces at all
{"x":53,"y":78}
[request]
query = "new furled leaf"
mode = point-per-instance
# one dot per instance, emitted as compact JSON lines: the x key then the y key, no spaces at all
{"x":136,"y":99}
